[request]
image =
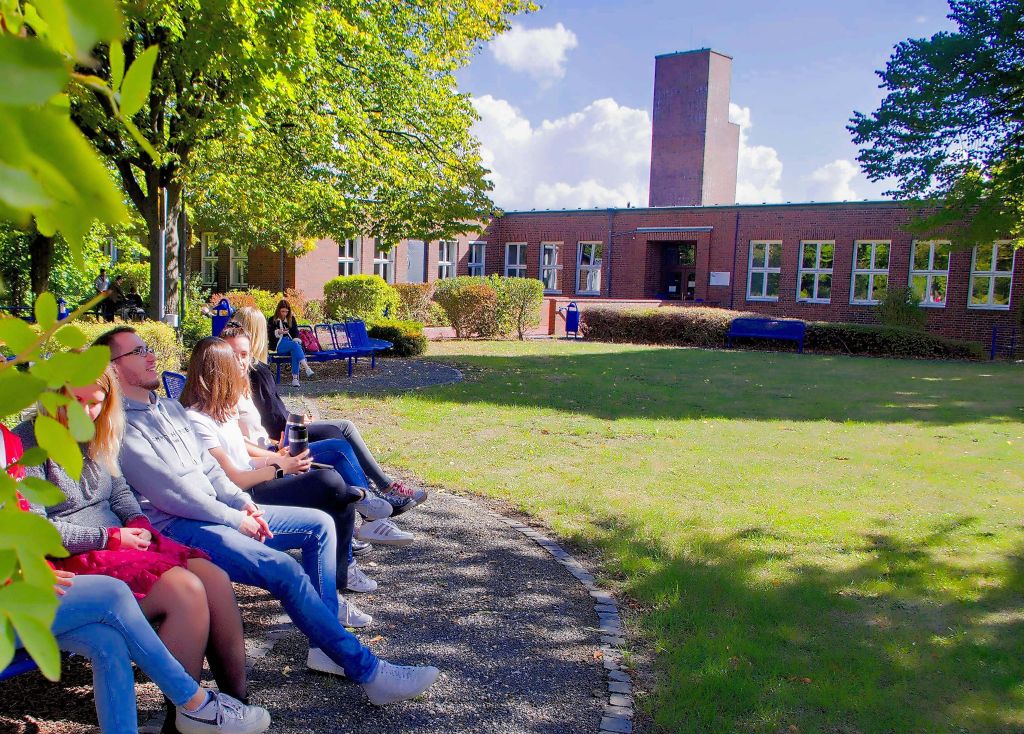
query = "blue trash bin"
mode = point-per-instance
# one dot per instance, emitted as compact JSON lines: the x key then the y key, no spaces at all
{"x":572,"y":320}
{"x":221,"y":314}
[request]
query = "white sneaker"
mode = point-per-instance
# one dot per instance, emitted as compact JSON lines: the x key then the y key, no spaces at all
{"x":317,"y":660}
{"x":358,"y":581}
{"x":393,"y":683}
{"x":222,"y":713}
{"x":384,"y":532}
{"x":306,"y":369}
{"x":350,"y":615}
{"x":295,"y":380}
{"x":373,"y":507}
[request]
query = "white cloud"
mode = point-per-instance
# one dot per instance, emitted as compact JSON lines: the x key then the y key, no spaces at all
{"x":760,"y":171}
{"x":831,"y":182}
{"x":596,"y":157}
{"x":540,"y":52}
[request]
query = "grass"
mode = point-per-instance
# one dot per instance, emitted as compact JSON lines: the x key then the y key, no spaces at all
{"x":812,"y":544}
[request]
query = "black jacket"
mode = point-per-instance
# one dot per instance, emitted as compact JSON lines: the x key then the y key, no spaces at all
{"x":273,"y":324}
{"x":273,"y":413}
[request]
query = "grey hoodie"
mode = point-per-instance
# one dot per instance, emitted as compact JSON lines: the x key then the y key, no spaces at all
{"x":172,"y":475}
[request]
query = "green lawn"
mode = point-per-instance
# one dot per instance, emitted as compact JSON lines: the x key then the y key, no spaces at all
{"x":813,"y":544}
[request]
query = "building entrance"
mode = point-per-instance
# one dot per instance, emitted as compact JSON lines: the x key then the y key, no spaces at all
{"x":678,"y":277}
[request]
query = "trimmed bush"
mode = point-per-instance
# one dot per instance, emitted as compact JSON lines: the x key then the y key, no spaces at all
{"x":237,"y":299}
{"x":407,"y":337}
{"x":901,"y":307}
{"x":158,"y":335}
{"x":415,"y":300}
{"x":886,"y":341}
{"x":519,"y":302}
{"x":436,"y":315}
{"x":314,"y":311}
{"x":690,"y":327}
{"x":359,"y":297}
{"x":470,"y":306}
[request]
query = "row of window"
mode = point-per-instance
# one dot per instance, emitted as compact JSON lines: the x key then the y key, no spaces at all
{"x":238,"y":263}
{"x":991,"y":272}
{"x":349,"y":264}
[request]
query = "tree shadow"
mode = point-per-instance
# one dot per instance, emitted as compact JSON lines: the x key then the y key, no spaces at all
{"x":697,"y":383}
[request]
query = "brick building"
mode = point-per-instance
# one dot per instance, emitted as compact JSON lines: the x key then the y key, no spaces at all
{"x":693,"y":244}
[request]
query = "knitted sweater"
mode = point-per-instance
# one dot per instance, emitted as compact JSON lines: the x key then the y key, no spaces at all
{"x":96,"y":502}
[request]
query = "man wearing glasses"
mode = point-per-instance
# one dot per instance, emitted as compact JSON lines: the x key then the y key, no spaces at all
{"x":187,"y":496}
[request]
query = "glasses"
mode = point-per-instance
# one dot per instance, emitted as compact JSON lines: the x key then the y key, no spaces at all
{"x":143,"y":351}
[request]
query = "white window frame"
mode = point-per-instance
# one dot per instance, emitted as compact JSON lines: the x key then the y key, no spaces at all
{"x":991,"y":275}
{"x":477,"y":267}
{"x":235,"y":259}
{"x":554,"y":268}
{"x":930,"y":273}
{"x":584,"y":272}
{"x":447,"y":258}
{"x":515,"y":269}
{"x":817,"y":271}
{"x":764,"y":268}
{"x":208,"y":259}
{"x":348,"y":263}
{"x":384,"y":263}
{"x":110,"y":250}
{"x":872,"y":271}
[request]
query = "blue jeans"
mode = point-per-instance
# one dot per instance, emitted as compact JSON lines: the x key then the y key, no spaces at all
{"x":287,"y":345}
{"x":99,"y":618}
{"x":347,"y":431}
{"x":307,"y":592}
{"x":339,"y":453}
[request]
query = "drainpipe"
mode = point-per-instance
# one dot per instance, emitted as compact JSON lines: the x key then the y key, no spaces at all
{"x":611,"y":234}
{"x":735,"y":247}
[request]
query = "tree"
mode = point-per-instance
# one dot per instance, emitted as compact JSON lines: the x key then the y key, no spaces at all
{"x":296,"y":118}
{"x":951,"y":127}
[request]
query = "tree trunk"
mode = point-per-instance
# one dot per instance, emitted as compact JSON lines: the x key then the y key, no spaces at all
{"x":40,"y":248}
{"x":153,"y":215}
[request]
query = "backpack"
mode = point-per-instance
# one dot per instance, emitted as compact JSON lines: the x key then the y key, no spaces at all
{"x":308,"y":341}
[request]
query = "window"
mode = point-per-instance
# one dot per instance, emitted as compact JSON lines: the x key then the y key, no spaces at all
{"x":991,"y":275}
{"x":110,"y":250}
{"x":447,"y":257}
{"x":814,"y":281}
{"x":870,"y":271}
{"x":929,"y":272}
{"x":208,"y":253}
{"x":515,"y":260}
{"x":763,"y":271}
{"x":239,"y":268}
{"x":588,"y":268}
{"x":384,"y":263}
{"x":549,"y":266}
{"x":477,"y":253}
{"x":348,"y":257}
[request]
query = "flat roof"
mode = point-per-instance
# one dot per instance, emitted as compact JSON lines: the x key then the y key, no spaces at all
{"x":693,"y":51}
{"x":605,"y":210}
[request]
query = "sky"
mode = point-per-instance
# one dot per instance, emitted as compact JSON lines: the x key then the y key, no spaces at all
{"x":565,"y":96}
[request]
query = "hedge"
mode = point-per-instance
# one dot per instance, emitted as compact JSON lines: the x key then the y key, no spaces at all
{"x":706,"y":327}
{"x":470,"y":304}
{"x":159,"y":336}
{"x":407,"y":337}
{"x":415,"y":300}
{"x":364,"y":297}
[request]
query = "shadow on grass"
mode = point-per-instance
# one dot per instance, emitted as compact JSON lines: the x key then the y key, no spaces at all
{"x":697,"y":383}
{"x":901,"y":640}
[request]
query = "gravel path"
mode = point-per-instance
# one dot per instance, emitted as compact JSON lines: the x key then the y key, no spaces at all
{"x":390,"y":375}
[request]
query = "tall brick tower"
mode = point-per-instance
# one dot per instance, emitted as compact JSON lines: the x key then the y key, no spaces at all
{"x":694,"y":147}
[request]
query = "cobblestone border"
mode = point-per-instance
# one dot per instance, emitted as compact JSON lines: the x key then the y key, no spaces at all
{"x":618,"y":710}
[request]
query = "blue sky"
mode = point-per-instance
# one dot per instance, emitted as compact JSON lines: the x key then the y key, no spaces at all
{"x":565,"y":96}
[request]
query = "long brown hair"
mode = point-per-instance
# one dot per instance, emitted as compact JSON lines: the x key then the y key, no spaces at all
{"x":105,"y":445}
{"x":291,"y":314}
{"x":214,"y":384}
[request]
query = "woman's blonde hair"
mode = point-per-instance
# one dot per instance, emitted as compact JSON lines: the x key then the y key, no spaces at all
{"x":105,"y":445}
{"x":214,"y":384}
{"x":255,"y":326}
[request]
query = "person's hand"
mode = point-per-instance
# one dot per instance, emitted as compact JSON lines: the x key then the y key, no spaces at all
{"x":63,"y":579}
{"x":295,"y":464}
{"x":251,"y":526}
{"x":257,"y":514}
{"x":136,"y":538}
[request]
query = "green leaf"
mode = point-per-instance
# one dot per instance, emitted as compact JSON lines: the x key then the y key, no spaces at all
{"x":78,"y":369}
{"x":31,"y":610}
{"x":141,"y":140}
{"x":79,"y":422}
{"x":46,"y":310}
{"x":18,"y":390}
{"x":41,"y":492}
{"x":32,"y":73}
{"x":116,"y":64}
{"x":20,"y":190}
{"x":29,"y":535}
{"x":53,"y":401}
{"x":32,"y":457}
{"x":71,"y":337}
{"x":16,"y":334}
{"x":60,"y":445}
{"x":6,"y":642}
{"x":92,"y":21}
{"x":137,"y":81}
{"x":8,"y":559}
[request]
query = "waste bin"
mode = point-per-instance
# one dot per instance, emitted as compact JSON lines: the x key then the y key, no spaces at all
{"x":572,"y":320}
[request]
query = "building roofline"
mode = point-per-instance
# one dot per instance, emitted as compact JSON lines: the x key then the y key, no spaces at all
{"x":693,"y":51}
{"x":618,"y":209}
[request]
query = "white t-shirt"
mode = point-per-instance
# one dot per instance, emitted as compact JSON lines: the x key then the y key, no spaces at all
{"x":251,"y":423}
{"x":226,"y":435}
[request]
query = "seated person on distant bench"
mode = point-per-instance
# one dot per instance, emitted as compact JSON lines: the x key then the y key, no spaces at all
{"x":115,"y":298}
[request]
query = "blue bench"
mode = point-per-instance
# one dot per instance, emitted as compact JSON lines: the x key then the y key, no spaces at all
{"x":21,"y":663}
{"x":174,"y":383}
{"x":359,"y":339}
{"x":784,"y":329}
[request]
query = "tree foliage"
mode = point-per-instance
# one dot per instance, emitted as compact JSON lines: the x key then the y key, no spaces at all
{"x":950,"y":129}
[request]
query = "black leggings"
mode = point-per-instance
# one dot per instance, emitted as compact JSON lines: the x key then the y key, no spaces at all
{"x":320,"y":430}
{"x":321,"y":489}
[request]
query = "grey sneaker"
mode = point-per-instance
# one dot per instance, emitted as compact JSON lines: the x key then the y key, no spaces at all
{"x":384,"y":532}
{"x":393,"y":683}
{"x":403,"y":498}
{"x":358,"y":581}
{"x":360,"y":548}
{"x":317,"y":660}
{"x":352,"y":616}
{"x":222,"y":713}
{"x":373,"y":507}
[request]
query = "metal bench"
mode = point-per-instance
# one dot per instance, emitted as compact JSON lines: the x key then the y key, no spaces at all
{"x":21,"y":663}
{"x":174,"y":383}
{"x":782,"y":329}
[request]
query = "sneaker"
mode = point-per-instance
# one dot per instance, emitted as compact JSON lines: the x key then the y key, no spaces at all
{"x":295,"y":380}
{"x":407,"y":497}
{"x":373,"y":507}
{"x":360,"y":548}
{"x":393,"y":683}
{"x":384,"y":532}
{"x":309,"y":372}
{"x":350,"y":615}
{"x":222,"y":713}
{"x":317,"y":660}
{"x":358,"y":581}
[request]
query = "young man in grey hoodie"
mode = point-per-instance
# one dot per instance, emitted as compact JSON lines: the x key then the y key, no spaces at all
{"x":187,"y":496}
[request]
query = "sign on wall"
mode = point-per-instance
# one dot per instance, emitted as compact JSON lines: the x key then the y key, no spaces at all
{"x":719,"y":278}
